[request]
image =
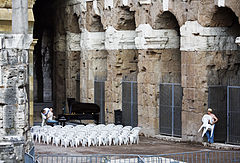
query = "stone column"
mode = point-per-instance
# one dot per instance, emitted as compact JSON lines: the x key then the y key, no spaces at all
{"x":59,"y":85}
{"x":121,"y":66}
{"x":158,"y":62}
{"x":30,"y":72}
{"x":20,"y":16}
{"x":14,"y":121}
{"x":47,"y":57}
{"x":93,"y":63}
{"x":72,"y":63}
{"x":59,"y":59}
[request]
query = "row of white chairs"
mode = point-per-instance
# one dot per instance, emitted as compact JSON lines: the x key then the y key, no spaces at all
{"x":91,"y":134}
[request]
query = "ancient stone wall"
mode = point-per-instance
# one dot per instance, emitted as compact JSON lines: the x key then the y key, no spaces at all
{"x":153,"y":42}
{"x":16,"y":78}
{"x":14,"y":122}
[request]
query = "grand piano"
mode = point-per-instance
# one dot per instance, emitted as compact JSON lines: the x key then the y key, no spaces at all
{"x":81,"y":111}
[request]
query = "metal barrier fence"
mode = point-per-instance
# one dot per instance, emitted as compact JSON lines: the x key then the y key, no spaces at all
{"x":30,"y":156}
{"x":187,"y":157}
{"x":225,"y":102}
{"x":99,"y":98}
{"x":170,"y":109}
{"x":129,"y":103}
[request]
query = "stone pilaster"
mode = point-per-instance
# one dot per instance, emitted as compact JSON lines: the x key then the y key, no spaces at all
{"x":6,"y":16}
{"x":31,"y":90}
{"x":72,"y":63}
{"x":14,"y":106}
{"x":158,"y":62}
{"x":59,"y":80}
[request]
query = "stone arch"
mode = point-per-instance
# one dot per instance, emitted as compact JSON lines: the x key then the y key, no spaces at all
{"x":121,"y":61}
{"x":125,"y":19}
{"x":73,"y":21}
{"x":93,"y":19}
{"x":225,"y":68}
{"x":222,"y":65}
{"x":159,"y":63}
{"x":166,"y":20}
{"x":170,"y":56}
{"x":223,"y":17}
{"x":54,"y":26}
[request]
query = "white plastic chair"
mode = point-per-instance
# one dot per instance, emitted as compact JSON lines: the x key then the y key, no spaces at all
{"x":103,"y":138}
{"x":134,"y":136}
{"x":113,"y":137}
{"x":34,"y":131}
{"x":206,"y":119}
{"x":123,"y":138}
{"x":92,"y":138}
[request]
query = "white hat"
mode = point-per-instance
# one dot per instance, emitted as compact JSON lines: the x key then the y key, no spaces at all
{"x":209,"y":110}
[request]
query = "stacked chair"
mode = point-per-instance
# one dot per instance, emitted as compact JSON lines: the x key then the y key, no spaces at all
{"x":86,"y":135}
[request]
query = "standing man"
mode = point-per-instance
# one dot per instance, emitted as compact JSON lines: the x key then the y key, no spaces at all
{"x":213,"y":120}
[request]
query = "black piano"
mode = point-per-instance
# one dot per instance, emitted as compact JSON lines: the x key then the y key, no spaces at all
{"x":81,"y":111}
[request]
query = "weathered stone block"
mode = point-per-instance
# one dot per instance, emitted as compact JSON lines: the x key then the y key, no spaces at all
{"x":9,"y":116}
{"x":190,"y":129}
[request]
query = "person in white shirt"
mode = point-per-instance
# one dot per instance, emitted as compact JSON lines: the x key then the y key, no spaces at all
{"x":44,"y":114}
{"x":50,"y":117}
{"x":213,"y":120}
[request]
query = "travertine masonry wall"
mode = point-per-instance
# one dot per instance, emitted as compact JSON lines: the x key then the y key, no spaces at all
{"x":151,"y":42}
{"x":121,"y":66}
{"x":155,"y":67}
{"x":208,"y":58}
{"x":14,"y":122}
{"x":93,"y":66}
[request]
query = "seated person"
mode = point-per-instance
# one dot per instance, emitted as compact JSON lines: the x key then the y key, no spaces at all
{"x":50,"y":117}
{"x":47,"y":116}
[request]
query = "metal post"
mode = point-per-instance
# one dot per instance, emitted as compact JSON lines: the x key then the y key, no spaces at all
{"x":131,"y":103}
{"x":101,"y":101}
{"x":159,"y":114}
{"x":172,"y":109}
{"x":227,"y":113}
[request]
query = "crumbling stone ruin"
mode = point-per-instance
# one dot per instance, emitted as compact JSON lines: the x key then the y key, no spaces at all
{"x":191,"y":43}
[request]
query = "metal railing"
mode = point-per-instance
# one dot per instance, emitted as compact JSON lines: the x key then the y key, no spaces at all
{"x":129,"y":103}
{"x":188,"y":157}
{"x":224,"y":100}
{"x":30,"y":156}
{"x":170,"y":109}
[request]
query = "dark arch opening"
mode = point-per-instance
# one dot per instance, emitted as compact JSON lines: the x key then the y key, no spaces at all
{"x":126,"y":19}
{"x":93,"y":21}
{"x":43,"y":31}
{"x":167,"y":20}
{"x":73,"y":25}
{"x":229,"y":70}
{"x":224,"y":17}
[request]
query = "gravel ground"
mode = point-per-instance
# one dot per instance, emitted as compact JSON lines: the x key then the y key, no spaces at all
{"x":146,"y":146}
